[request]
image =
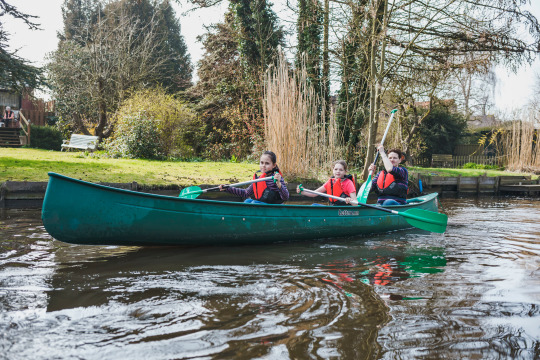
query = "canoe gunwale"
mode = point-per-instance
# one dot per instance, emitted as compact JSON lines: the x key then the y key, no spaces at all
{"x":412,"y":202}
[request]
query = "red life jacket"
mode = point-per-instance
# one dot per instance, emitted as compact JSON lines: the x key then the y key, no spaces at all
{"x":385,"y":180}
{"x":333,"y":187}
{"x":262,"y":193}
{"x":387,"y":185}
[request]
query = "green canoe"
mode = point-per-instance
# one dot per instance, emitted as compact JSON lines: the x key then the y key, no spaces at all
{"x":79,"y":212}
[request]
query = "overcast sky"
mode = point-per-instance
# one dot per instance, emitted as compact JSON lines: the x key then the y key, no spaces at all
{"x":512,"y":92}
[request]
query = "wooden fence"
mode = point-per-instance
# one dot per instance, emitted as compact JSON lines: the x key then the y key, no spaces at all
{"x":468,"y":149}
{"x":459,"y":161}
{"x":36,"y":117}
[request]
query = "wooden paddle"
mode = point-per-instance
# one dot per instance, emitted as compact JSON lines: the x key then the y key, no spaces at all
{"x":193,"y":192}
{"x":366,"y":186}
{"x":422,"y":219}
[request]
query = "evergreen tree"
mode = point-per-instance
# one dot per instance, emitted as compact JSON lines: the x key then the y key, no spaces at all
{"x":439,"y":132}
{"x":178,"y":69}
{"x":229,"y":92}
{"x":353,"y":96}
{"x":79,"y":16}
{"x":258,"y":33}
{"x":16,"y":73}
{"x":220,"y":90}
{"x":309,"y":29}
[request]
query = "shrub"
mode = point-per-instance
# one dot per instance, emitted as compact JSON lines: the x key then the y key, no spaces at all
{"x":152,"y":124}
{"x":440,"y":131}
{"x":51,"y":120}
{"x":45,"y":137}
{"x":472,"y":165}
{"x":137,"y":138}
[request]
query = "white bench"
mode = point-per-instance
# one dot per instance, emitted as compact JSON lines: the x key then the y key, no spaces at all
{"x":84,"y":142}
{"x":441,"y":160}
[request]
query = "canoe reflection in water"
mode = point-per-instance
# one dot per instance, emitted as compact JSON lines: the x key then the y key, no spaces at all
{"x":242,"y":301}
{"x":391,"y":269}
{"x":386,"y":269}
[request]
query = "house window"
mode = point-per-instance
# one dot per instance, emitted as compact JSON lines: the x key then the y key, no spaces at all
{"x":9,"y":99}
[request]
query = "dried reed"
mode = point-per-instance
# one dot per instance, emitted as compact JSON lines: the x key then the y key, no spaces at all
{"x":522,"y":150}
{"x":295,"y":128}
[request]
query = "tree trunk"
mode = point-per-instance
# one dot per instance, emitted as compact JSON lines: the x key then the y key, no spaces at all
{"x":326,"y":62}
{"x":375,"y":81}
{"x":406,"y":143}
{"x":79,"y":125}
{"x":102,"y":111}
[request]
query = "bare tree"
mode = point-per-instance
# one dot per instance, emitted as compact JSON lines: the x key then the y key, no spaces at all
{"x":91,"y":76}
{"x":408,"y":41}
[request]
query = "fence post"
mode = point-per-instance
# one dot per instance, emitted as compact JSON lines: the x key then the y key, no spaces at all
{"x":458,"y":184}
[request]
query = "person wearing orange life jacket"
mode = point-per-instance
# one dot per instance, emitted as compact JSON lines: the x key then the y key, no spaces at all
{"x":341,"y":185}
{"x":392,"y":183}
{"x":271,"y":191}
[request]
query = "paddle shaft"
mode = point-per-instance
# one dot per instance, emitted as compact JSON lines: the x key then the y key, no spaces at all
{"x":384,"y":136}
{"x":412,"y":216}
{"x":326,"y":195}
{"x":366,"y":187}
{"x":238,"y":184}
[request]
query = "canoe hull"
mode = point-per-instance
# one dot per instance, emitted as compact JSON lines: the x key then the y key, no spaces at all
{"x":79,"y":212}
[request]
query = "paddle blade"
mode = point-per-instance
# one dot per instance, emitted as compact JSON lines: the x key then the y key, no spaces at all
{"x":426,"y":220}
{"x":363,"y":193}
{"x":191,"y":192}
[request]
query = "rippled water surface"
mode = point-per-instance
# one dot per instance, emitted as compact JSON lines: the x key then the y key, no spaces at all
{"x":473,"y":292}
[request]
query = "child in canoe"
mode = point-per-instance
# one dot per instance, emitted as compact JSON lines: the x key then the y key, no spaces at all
{"x":340,"y":184}
{"x":392,"y":183}
{"x":271,"y":191}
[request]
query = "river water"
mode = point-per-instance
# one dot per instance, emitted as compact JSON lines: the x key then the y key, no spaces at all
{"x":472,"y":293}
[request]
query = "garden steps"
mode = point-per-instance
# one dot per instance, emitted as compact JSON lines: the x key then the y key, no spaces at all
{"x":9,"y":137}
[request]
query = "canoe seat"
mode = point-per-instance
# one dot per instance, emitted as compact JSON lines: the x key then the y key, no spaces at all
{"x":83,"y":142}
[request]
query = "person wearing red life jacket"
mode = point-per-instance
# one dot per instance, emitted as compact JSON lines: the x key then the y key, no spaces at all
{"x":271,"y":191}
{"x":341,"y":185}
{"x":392,"y":183}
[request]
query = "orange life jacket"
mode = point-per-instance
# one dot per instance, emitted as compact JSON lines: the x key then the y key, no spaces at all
{"x":262,"y":193}
{"x":387,"y":185}
{"x":333,"y":187}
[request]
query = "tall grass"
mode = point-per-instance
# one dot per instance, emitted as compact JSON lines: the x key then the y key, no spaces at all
{"x":522,"y":147}
{"x":295,"y":128}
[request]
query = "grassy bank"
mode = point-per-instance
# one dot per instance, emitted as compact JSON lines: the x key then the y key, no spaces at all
{"x":33,"y":165}
{"x":462,"y":172}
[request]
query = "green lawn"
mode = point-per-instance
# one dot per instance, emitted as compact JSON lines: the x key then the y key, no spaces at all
{"x":33,"y":164}
{"x":462,"y":172}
